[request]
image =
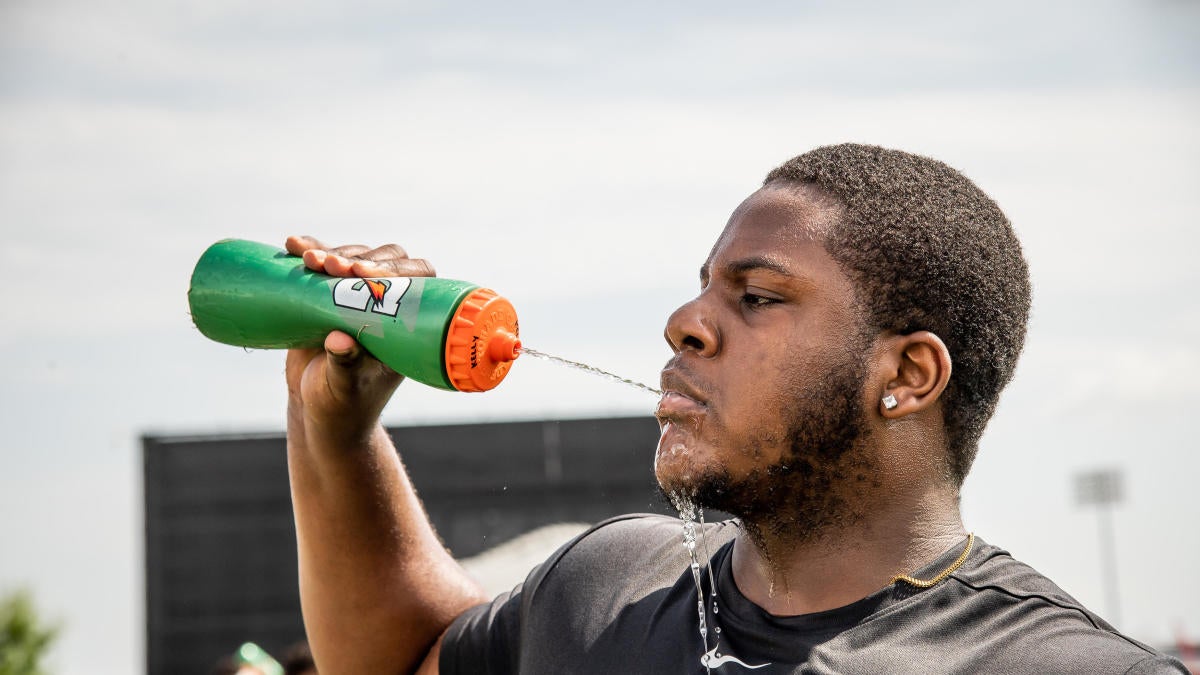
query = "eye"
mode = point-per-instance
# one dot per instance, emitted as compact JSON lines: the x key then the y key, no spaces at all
{"x":755,"y":301}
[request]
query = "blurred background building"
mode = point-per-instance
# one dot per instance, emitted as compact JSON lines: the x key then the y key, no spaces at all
{"x":220,"y":537}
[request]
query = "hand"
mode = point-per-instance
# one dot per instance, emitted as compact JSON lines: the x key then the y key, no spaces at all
{"x":339,"y":392}
{"x":358,"y":261}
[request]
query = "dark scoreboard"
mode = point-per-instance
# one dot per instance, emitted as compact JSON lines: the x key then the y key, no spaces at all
{"x":220,"y":539}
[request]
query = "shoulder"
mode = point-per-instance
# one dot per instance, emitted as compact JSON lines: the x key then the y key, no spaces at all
{"x":999,"y":580}
{"x":616,"y":571}
{"x":652,"y":545}
{"x":640,"y":529}
{"x":994,"y":570}
{"x":1027,"y":618}
{"x":572,"y":598}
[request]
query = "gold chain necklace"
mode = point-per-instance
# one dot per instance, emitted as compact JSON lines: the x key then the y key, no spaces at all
{"x":929,"y":583}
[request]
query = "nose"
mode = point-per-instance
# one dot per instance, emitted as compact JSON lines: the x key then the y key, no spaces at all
{"x":689,"y":329}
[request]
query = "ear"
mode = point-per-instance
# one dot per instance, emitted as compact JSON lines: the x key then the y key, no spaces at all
{"x":916,"y":370}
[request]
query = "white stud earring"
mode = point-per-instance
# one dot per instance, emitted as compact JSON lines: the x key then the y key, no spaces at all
{"x":890,"y":402}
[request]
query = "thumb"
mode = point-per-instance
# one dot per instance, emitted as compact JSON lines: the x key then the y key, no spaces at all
{"x":344,"y":351}
{"x":354,"y":376}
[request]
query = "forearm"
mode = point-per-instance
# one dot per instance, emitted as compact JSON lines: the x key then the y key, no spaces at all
{"x":376,"y":585}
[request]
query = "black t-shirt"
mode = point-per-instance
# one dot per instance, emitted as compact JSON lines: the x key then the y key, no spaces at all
{"x":622,"y":599}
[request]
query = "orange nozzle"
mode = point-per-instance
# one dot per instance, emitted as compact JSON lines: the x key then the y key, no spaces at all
{"x":481,"y":341}
{"x":504,"y":346}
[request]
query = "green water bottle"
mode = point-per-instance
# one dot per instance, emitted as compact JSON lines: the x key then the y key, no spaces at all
{"x":444,"y":333}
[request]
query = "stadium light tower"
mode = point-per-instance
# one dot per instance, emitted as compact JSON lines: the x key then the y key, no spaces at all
{"x":1103,"y":489}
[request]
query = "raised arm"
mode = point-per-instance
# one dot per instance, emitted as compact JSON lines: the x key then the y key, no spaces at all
{"x":377,"y":587}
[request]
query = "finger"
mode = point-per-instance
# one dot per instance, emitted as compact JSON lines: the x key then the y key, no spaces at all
{"x":316,"y":254}
{"x":339,"y":266}
{"x":349,"y":250}
{"x":314,"y":259}
{"x":356,"y":260}
{"x":344,"y":357}
{"x":392,"y":260}
{"x":298,"y":244}
{"x":335,"y":261}
{"x":385,"y":252}
{"x":354,"y":375}
{"x":342,"y":348}
{"x":404,"y":267}
{"x":329,"y":263}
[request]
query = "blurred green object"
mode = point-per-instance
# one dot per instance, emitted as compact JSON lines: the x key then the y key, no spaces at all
{"x":23,"y":640}
{"x":251,"y":654}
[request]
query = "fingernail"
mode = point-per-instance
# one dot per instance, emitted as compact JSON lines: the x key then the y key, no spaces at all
{"x":344,"y":356}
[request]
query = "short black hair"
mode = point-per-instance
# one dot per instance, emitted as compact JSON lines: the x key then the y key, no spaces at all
{"x":928,"y":250}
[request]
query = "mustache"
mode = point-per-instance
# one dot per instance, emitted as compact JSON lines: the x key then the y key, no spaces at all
{"x":678,"y":378}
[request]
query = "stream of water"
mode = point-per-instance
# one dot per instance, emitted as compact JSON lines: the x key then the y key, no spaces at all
{"x":590,"y":369}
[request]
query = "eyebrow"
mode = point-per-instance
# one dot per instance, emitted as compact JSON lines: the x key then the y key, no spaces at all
{"x":750,"y":264}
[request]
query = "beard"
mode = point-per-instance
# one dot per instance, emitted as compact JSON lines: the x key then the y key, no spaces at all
{"x":817,"y":483}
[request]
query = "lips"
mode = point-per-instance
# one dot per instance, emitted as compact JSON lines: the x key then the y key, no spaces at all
{"x":680,"y":399}
{"x":674,"y":405}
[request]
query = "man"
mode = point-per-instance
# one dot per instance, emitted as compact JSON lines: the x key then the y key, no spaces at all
{"x":856,"y":322}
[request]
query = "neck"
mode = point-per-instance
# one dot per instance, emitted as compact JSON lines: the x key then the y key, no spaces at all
{"x":787,"y":576}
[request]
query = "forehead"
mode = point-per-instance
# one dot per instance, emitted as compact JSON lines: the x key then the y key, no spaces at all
{"x":781,"y":223}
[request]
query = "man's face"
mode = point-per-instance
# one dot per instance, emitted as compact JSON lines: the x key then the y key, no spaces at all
{"x":761,"y":413}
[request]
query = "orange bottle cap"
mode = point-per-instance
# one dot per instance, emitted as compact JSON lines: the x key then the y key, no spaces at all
{"x":481,"y":342}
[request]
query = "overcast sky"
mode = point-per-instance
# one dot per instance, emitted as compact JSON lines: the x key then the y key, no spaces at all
{"x":581,"y":162}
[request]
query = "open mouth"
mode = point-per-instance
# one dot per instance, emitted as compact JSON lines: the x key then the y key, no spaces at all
{"x":680,"y":400}
{"x":675,"y":405}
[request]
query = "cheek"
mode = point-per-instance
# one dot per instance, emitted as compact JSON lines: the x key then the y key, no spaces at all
{"x":757,"y":416}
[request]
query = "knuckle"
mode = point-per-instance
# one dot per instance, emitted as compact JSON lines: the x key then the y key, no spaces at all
{"x":349,"y":250}
{"x":386,"y":252}
{"x":411,"y":267}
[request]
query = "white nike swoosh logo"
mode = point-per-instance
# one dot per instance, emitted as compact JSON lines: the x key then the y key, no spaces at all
{"x":710,"y":660}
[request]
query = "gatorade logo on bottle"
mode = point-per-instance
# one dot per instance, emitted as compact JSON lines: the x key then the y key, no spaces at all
{"x":381,"y":296}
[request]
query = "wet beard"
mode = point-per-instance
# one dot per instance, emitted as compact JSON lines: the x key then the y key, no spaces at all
{"x":805,"y":493}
